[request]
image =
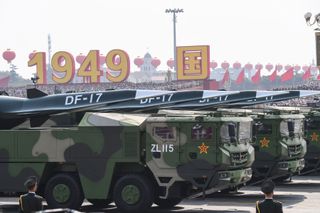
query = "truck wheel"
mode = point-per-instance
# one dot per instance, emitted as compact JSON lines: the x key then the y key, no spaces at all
{"x":133,"y":193}
{"x":167,"y":203}
{"x":100,"y":202}
{"x":63,"y":191}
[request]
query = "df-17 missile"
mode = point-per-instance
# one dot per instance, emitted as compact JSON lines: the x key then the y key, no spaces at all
{"x":193,"y":100}
{"x":161,"y":101}
{"x":214,"y":102}
{"x":39,"y":104}
{"x":276,"y":98}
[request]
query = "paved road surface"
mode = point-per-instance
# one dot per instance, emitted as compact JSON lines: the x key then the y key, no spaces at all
{"x":300,"y":195}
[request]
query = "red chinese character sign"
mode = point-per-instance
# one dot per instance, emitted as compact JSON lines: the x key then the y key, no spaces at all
{"x":63,"y":65}
{"x":193,"y":62}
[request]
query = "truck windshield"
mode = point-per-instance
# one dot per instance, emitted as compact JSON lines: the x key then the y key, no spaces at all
{"x":232,"y":132}
{"x":291,"y":126}
{"x":245,"y":131}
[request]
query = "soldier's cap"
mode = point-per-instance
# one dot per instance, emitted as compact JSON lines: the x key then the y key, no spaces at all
{"x":30,"y":182}
{"x":267,"y":186}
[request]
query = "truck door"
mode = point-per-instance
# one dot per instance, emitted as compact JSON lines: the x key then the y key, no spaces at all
{"x":265,"y":141}
{"x":162,"y":145}
{"x":197,"y":142}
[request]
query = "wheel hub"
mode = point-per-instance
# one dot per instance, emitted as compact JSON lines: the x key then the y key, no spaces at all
{"x":61,"y":193}
{"x":130,"y":194}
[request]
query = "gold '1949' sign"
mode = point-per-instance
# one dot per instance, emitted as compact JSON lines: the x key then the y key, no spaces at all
{"x":63,"y":65}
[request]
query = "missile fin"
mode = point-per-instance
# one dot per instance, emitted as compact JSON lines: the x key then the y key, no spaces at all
{"x":35,"y":93}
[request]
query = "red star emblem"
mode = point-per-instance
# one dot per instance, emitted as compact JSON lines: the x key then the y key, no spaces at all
{"x":264,"y":143}
{"x":314,"y":137}
{"x":203,"y":148}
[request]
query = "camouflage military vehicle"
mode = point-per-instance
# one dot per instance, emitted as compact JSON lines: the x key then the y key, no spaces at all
{"x":278,"y":138}
{"x":312,"y":132}
{"x":134,"y":160}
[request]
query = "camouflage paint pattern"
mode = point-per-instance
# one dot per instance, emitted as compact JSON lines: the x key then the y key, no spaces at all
{"x":102,"y":140}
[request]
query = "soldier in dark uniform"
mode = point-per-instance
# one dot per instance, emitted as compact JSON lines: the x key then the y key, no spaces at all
{"x":268,"y":205}
{"x":30,"y":202}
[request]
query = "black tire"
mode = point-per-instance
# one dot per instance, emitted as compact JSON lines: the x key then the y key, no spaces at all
{"x":63,"y":183}
{"x":167,"y":203}
{"x":283,"y":179}
{"x":141,"y":193}
{"x":100,"y":202}
{"x":229,"y":191}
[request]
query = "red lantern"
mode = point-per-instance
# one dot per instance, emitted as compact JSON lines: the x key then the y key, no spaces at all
{"x":102,"y":59}
{"x":297,"y":67}
{"x":80,"y":58}
{"x":236,"y":65}
{"x":9,"y":55}
{"x":248,"y":66}
{"x":225,"y":65}
{"x":269,"y":67}
{"x":32,"y":54}
{"x":138,"y":61}
{"x":155,"y":62}
{"x":259,"y":66}
{"x":213,"y":64}
{"x":279,"y":67}
{"x":287,"y":67}
{"x":170,"y":63}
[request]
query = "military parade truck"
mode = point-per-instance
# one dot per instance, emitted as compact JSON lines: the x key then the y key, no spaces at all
{"x":312,"y":136}
{"x":134,"y":160}
{"x":278,"y":138}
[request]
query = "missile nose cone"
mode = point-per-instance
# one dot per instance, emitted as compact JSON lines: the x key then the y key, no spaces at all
{"x":305,"y":93}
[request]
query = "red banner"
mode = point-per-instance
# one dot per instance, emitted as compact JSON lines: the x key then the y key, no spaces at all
{"x":273,"y":76}
{"x":226,"y":77}
{"x":256,"y":78}
{"x":307,"y":74}
{"x":288,"y":75}
{"x":240,"y":77}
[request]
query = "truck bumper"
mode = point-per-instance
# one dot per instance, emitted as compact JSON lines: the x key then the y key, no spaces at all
{"x":228,"y":179}
{"x":293,"y":166}
{"x":233,"y":178}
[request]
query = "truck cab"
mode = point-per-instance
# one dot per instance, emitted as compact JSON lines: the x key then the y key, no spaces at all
{"x":278,"y":138}
{"x":205,"y":153}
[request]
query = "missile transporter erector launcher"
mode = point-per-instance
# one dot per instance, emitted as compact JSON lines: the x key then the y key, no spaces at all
{"x":280,"y":147}
{"x":134,"y":160}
